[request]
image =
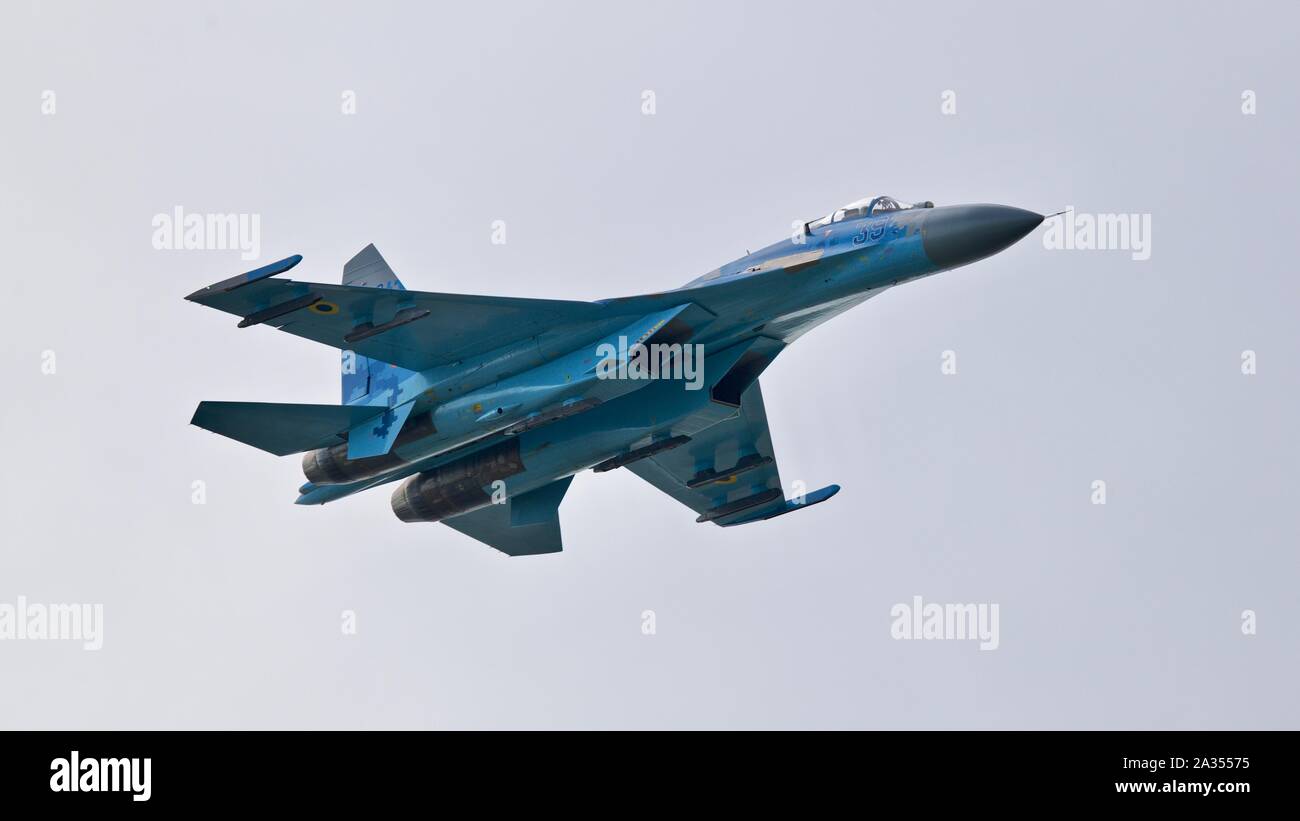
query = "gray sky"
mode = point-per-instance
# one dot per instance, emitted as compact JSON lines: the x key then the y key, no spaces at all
{"x":1073,"y":366}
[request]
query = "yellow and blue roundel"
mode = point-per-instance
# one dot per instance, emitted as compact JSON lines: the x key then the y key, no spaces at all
{"x":326,"y":308}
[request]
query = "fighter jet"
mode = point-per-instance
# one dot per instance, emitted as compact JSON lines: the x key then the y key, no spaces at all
{"x":485,"y":407}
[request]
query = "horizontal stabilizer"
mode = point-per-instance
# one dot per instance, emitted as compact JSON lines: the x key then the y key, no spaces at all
{"x":527,"y":525}
{"x":282,"y":428}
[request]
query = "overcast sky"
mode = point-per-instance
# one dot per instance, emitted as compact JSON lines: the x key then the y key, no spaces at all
{"x":1072,"y":366}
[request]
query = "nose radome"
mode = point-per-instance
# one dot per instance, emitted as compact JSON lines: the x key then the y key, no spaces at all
{"x":960,"y":234}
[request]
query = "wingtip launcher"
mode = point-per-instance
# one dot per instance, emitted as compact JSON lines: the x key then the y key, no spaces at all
{"x":225,"y":286}
{"x":761,"y":500}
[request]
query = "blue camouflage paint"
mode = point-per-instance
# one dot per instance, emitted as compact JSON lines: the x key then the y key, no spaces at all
{"x":515,"y":383}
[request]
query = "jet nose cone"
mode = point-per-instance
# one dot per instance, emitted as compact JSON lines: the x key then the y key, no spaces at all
{"x":959,"y":234}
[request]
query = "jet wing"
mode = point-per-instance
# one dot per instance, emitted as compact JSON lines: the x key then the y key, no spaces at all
{"x":415,"y":330}
{"x":727,"y":472}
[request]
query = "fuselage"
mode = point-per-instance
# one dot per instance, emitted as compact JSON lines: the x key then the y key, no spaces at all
{"x":550,"y":395}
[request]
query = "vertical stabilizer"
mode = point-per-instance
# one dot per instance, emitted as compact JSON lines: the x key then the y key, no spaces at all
{"x":362,"y":376}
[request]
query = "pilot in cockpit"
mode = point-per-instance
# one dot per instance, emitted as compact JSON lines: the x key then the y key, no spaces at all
{"x":865,"y":207}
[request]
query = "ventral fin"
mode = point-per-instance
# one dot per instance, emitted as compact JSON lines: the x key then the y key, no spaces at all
{"x":374,"y":437}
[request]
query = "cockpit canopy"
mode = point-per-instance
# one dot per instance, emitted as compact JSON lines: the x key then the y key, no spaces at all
{"x":865,"y":207}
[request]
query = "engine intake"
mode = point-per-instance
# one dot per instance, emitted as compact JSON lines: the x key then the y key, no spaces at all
{"x":458,"y":487}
